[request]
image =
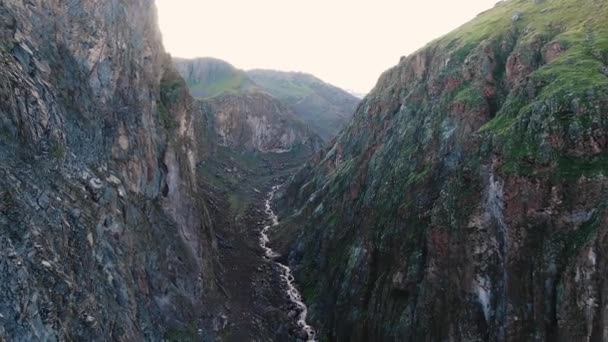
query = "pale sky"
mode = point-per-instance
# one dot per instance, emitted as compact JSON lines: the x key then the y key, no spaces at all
{"x":348,"y":43}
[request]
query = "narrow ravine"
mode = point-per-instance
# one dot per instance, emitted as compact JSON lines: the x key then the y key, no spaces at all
{"x":286,"y":275}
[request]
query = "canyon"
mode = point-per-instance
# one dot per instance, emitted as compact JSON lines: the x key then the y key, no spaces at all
{"x":145,"y":197}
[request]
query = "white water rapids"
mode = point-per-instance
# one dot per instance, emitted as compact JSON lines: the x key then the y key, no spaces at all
{"x":286,"y":275}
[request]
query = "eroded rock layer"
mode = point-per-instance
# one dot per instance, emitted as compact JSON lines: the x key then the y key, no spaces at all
{"x":256,"y":121}
{"x":105,"y":234}
{"x":467,"y":199}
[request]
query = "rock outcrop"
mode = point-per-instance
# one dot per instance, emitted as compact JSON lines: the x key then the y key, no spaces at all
{"x":298,"y":97}
{"x":255,"y":121}
{"x":105,"y":234}
{"x":244,"y":116}
{"x":325,"y":108}
{"x":468,"y":199}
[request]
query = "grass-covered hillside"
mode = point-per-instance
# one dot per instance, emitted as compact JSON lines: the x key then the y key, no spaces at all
{"x":210,"y":77}
{"x":324,"y":107}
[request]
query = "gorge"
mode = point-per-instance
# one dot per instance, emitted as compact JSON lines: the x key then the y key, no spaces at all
{"x":145,"y":197}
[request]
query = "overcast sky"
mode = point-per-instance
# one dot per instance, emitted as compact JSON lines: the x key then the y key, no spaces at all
{"x":345,"y":42}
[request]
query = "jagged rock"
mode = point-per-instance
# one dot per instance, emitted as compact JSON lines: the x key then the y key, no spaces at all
{"x":459,"y":203}
{"x":87,"y":85}
{"x":321,"y":106}
{"x":245,"y":116}
{"x":255,"y":121}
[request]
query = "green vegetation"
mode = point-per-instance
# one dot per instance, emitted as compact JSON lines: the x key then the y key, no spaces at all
{"x":545,"y":19}
{"x":580,"y":68}
{"x":418,"y":177}
{"x":323,"y":107}
{"x":424,"y":184}
{"x":210,"y":77}
{"x":578,"y":26}
{"x":239,"y":173}
{"x":470,"y":96}
{"x":7,"y":47}
{"x":507,"y":116}
{"x":171,"y":89}
{"x":284,"y":88}
{"x":187,"y":335}
{"x":230,"y":83}
{"x":58,"y":151}
{"x":559,"y":94}
{"x":166,"y":120}
{"x":570,"y":167}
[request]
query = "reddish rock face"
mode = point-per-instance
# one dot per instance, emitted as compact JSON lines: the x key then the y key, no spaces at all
{"x":517,"y":69}
{"x":474,"y":178}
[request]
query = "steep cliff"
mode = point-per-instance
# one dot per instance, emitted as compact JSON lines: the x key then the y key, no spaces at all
{"x":244,"y":116}
{"x":468,"y":198}
{"x":255,"y":121}
{"x":105,"y":234}
{"x":325,"y":108}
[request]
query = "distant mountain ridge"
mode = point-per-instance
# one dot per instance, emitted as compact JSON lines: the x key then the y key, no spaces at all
{"x":245,"y":116}
{"x":324,"y":108}
{"x":208,"y":77}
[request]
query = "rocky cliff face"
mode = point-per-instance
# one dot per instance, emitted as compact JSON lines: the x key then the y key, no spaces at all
{"x":256,"y":121}
{"x":467,"y":200}
{"x":325,"y":108}
{"x":244,"y":115}
{"x":105,"y":233}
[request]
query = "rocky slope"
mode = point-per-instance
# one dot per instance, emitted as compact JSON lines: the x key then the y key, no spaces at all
{"x":325,"y":108}
{"x":255,"y":121}
{"x":467,"y":201}
{"x":244,"y":116}
{"x":105,"y":232}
